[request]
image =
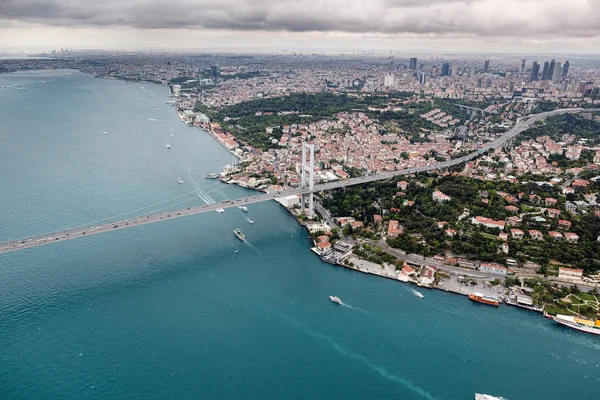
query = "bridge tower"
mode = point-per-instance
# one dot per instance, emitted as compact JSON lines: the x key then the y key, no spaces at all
{"x":308,"y":173}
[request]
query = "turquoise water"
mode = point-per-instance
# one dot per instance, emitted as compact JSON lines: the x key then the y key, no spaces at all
{"x":168,"y":310}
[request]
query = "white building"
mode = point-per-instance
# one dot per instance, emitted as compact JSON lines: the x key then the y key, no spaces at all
{"x":570,"y":273}
{"x":289,"y":201}
{"x":388,"y":80}
{"x":493,"y":268}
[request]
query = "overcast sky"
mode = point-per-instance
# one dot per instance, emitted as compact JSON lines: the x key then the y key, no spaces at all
{"x":406,"y":25}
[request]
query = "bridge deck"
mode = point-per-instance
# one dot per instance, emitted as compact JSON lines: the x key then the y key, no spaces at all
{"x":59,"y":236}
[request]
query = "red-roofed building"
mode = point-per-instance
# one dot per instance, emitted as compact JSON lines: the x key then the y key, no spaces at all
{"x":503,"y":236}
{"x":402,"y":185}
{"x":580,"y":183}
{"x":564,"y":224}
{"x":512,"y":209}
{"x":570,"y":273}
{"x":493,"y":268}
{"x":550,"y":201}
{"x":488,"y":222}
{"x":555,"y":235}
{"x":408,"y":271}
{"x":517,"y":233}
{"x":571,"y":237}
{"x":440,"y":197}
{"x":536,"y":235}
{"x":323,"y":246}
{"x":450,"y":232}
{"x":395,"y":229}
{"x":552,"y":212}
{"x":377,"y":219}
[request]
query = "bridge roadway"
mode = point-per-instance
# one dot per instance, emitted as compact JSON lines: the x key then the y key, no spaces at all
{"x":39,"y":240}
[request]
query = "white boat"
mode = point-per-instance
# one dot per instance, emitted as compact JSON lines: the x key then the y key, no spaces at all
{"x":105,"y":133}
{"x":581,"y":324}
{"x":168,"y":146}
{"x":250,"y":221}
{"x":179,"y":180}
{"x":336,"y":300}
{"x":220,"y":210}
{"x":243,"y":208}
{"x":416,"y":293}
{"x":217,"y":158}
{"x":172,"y":135}
{"x":479,"y":396}
{"x":153,"y":105}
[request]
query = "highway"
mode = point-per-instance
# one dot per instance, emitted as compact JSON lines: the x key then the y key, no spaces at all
{"x":39,"y":240}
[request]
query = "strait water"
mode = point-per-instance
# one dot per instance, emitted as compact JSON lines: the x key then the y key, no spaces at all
{"x":169,"y":311}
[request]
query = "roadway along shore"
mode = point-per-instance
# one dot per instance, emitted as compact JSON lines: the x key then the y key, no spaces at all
{"x":39,"y":240}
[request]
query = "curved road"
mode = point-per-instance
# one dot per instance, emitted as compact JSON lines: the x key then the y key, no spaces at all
{"x":40,"y":240}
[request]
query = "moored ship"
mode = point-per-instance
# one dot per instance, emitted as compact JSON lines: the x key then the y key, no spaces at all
{"x":239,"y":234}
{"x":581,"y":324}
{"x":243,"y":208}
{"x":211,"y":176}
{"x":480,"y":298}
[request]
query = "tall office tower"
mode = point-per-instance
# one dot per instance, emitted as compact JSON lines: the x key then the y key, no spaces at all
{"x":214,"y":72}
{"x":413,"y":63}
{"x":422,"y":78}
{"x":454,"y":71}
{"x":388,"y":80}
{"x":445,"y":69}
{"x":486,"y":66}
{"x":557,"y":72}
{"x":523,"y":62}
{"x":551,"y":70}
{"x":479,"y":83}
{"x":535,"y":71}
{"x":545,"y":70}
{"x":565,"y":86}
{"x":565,"y":72}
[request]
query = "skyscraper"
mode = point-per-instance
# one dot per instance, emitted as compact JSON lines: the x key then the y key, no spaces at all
{"x":454,"y":70}
{"x":565,"y":72}
{"x":422,"y":78}
{"x":445,"y":69}
{"x":551,"y":70}
{"x":486,"y":66}
{"x":545,"y":70}
{"x":413,"y":63}
{"x":523,"y":62}
{"x":557,"y":72}
{"x":535,"y":71}
{"x":214,"y":72}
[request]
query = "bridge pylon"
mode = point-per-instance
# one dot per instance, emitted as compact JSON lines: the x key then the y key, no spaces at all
{"x":308,"y":173}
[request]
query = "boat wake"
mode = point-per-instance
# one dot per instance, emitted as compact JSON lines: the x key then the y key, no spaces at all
{"x":156,"y":120}
{"x":366,"y":361}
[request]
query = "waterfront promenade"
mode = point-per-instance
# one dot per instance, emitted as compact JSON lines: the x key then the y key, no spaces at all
{"x":39,"y":240}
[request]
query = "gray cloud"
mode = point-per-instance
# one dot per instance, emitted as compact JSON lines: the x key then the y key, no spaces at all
{"x":486,"y":18}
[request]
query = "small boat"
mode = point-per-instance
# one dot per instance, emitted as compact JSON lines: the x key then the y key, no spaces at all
{"x":220,"y":210}
{"x":211,"y":176}
{"x":237,"y":251}
{"x":105,"y":133}
{"x":217,"y":158}
{"x":168,"y":146}
{"x":179,"y":180}
{"x":172,"y":135}
{"x":250,"y":221}
{"x":243,"y":208}
{"x":153,"y":105}
{"x":239,"y":234}
{"x":416,"y":293}
{"x":479,"y":396}
{"x":336,"y":300}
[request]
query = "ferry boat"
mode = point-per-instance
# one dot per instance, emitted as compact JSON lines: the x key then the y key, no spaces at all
{"x":581,"y":324}
{"x":239,"y":234}
{"x":480,"y":298}
{"x":211,"y":176}
{"x":336,"y":300}
{"x":243,"y":208}
{"x":220,"y":210}
{"x":250,"y":221}
{"x":416,"y":293}
{"x":168,"y":146}
{"x":179,"y":180}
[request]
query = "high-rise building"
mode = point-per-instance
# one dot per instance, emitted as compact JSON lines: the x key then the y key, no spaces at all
{"x":551,"y":70}
{"x":454,"y":71}
{"x":557,"y":72}
{"x":486,"y":66}
{"x":535,"y":71}
{"x":523,"y":63}
{"x":215,"y":73}
{"x":545,"y":70}
{"x":422,"y":78}
{"x":445,"y":69}
{"x":388,"y":80}
{"x":413,"y":63}
{"x":565,"y":71}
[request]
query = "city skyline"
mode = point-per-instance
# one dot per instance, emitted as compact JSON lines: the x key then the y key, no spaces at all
{"x":399,"y":25}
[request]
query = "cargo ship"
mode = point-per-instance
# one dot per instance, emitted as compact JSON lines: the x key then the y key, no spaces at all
{"x":480,"y":298}
{"x":581,"y":324}
{"x":239,"y":234}
{"x":211,"y":176}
